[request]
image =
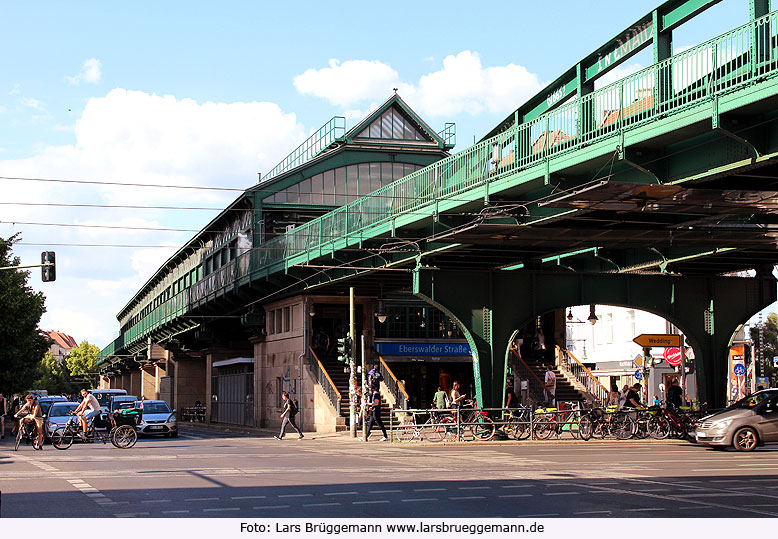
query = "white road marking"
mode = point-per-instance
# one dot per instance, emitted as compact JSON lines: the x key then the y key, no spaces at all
{"x":474,"y":488}
{"x":295,"y":495}
{"x":214,"y":510}
{"x":365,"y":502}
{"x":248,"y":497}
{"x":200,"y":499}
{"x":155,"y":501}
{"x":351,"y":493}
{"x":383,"y":491}
{"x":466,"y":497}
{"x":428,"y":489}
{"x":419,"y":500}
{"x":320,"y":504}
{"x":515,"y":496}
{"x":271,"y":507}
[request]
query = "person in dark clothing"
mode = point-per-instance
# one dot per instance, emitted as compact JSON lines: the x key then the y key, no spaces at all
{"x":633,"y":397}
{"x":375,"y":414}
{"x":321,"y":342}
{"x":675,"y":394}
{"x":510,"y":398}
{"x":288,"y":414}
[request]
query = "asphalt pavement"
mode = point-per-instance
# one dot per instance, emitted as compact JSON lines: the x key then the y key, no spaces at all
{"x":211,"y":473}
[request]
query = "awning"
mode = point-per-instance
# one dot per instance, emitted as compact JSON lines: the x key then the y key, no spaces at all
{"x":233,"y":361}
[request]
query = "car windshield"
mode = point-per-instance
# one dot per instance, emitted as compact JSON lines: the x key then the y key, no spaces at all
{"x":103,"y":398}
{"x":156,"y":408}
{"x":62,"y":410}
{"x":752,"y":400}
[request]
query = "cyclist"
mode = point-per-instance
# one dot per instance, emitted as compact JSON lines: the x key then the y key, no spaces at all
{"x":3,"y":411}
{"x":88,"y":408}
{"x":31,"y":411}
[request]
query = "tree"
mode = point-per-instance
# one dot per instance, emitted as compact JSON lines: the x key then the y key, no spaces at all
{"x":81,"y":362}
{"x":54,"y":376}
{"x":22,"y":344}
{"x":770,"y":349}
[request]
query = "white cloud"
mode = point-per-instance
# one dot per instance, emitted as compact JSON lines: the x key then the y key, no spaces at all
{"x":462,"y":85}
{"x":349,"y":82}
{"x":135,"y":137}
{"x":90,"y":73}
{"x":31,"y":102}
{"x":617,"y":73}
{"x":16,"y":90}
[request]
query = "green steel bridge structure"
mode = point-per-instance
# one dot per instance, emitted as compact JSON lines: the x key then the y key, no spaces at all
{"x":658,"y":191}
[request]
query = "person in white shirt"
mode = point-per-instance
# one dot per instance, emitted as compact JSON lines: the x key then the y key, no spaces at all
{"x":88,"y":408}
{"x":550,"y":383}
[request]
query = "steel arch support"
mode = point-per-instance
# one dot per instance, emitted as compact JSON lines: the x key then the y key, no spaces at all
{"x":491,"y":305}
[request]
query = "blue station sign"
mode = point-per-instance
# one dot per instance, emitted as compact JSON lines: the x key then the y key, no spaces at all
{"x":422,"y":349}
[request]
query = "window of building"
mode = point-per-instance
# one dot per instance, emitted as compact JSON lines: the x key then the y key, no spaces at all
{"x":270,"y":323}
{"x":279,"y":321}
{"x":287,"y":319}
{"x":392,"y":124}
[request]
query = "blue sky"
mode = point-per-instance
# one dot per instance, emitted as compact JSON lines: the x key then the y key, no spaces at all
{"x":209,"y":94}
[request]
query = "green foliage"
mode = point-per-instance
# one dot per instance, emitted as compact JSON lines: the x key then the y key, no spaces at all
{"x":22,"y":345}
{"x":82,"y":359}
{"x":54,"y":376}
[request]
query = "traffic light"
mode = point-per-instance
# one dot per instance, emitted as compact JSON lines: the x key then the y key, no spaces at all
{"x":48,"y":266}
{"x":344,"y":349}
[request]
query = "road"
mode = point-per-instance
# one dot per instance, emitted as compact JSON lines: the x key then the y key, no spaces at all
{"x":205,"y":473}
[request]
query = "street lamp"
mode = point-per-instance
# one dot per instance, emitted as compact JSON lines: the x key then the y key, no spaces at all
{"x":592,"y":317}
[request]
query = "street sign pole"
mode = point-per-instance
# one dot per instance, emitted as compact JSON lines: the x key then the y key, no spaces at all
{"x":683,"y":372}
{"x":352,"y":379}
{"x":364,"y":423}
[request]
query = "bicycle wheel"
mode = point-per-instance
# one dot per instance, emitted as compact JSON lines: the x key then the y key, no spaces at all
{"x":658,"y":428}
{"x":573,"y":426}
{"x":124,"y":437}
{"x":18,"y":438}
{"x":623,"y":427}
{"x":585,"y":427}
{"x":484,"y":428}
{"x":405,"y":433}
{"x":62,"y":438}
{"x":544,"y":428}
{"x":447,"y":429}
{"x":429,"y":431}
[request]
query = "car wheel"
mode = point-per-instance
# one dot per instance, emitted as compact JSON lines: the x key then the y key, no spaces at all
{"x":174,"y":434}
{"x":745,"y":439}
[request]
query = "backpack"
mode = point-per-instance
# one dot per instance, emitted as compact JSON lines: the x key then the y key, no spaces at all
{"x":293,"y":407}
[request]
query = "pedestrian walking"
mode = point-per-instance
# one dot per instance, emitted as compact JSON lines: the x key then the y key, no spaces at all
{"x":3,"y":412}
{"x":287,"y":415}
{"x":375,"y":414}
{"x":550,"y":383}
{"x":440,"y":398}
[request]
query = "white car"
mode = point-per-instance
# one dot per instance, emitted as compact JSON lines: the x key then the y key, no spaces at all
{"x":58,"y":416}
{"x":157,"y":418}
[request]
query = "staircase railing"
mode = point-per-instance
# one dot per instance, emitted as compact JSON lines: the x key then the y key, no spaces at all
{"x":535,"y":385}
{"x":584,"y":375}
{"x":323,"y":378}
{"x":395,"y":386}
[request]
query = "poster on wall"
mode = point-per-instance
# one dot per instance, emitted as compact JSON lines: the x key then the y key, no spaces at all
{"x":737,"y":373}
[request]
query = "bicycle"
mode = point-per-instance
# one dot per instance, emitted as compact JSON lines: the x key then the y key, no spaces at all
{"x":413,"y":431}
{"x":598,"y":423}
{"x":28,"y":431}
{"x":552,"y":421}
{"x":517,"y":423}
{"x":669,"y":422}
{"x":467,"y":424}
{"x":122,"y":436}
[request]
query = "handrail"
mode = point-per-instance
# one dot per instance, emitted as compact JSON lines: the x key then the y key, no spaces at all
{"x":331,"y":388}
{"x":590,"y":381}
{"x":330,"y":132}
{"x":538,"y":389}
{"x":395,"y":386}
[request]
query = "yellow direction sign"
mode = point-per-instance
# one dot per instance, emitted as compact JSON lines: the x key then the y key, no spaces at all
{"x":648,"y":340}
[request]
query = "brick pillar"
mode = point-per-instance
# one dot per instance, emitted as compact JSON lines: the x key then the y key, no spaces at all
{"x":148,"y":382}
{"x":208,"y":387}
{"x":135,"y":383}
{"x":189,"y":382}
{"x":125,"y":383}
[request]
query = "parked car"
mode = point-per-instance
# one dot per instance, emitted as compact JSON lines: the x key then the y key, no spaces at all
{"x":59,"y":413}
{"x":120,"y":401}
{"x":157,"y":418}
{"x":748,"y":423}
{"x":103,"y":396}
{"x":46,"y":403}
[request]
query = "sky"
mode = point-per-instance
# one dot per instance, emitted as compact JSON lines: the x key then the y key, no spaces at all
{"x":208,"y":94}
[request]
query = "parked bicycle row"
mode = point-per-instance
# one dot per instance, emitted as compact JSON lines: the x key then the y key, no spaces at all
{"x":471,"y":423}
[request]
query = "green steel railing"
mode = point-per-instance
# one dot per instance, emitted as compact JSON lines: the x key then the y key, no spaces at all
{"x":332,"y":131}
{"x":449,"y":134}
{"x":721,"y":65}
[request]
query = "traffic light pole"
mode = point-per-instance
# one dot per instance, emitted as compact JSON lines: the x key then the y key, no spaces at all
{"x":352,"y":379}
{"x":364,"y":423}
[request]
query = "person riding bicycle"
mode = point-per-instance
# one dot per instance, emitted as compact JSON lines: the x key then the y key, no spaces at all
{"x":88,"y":409}
{"x":31,"y":411}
